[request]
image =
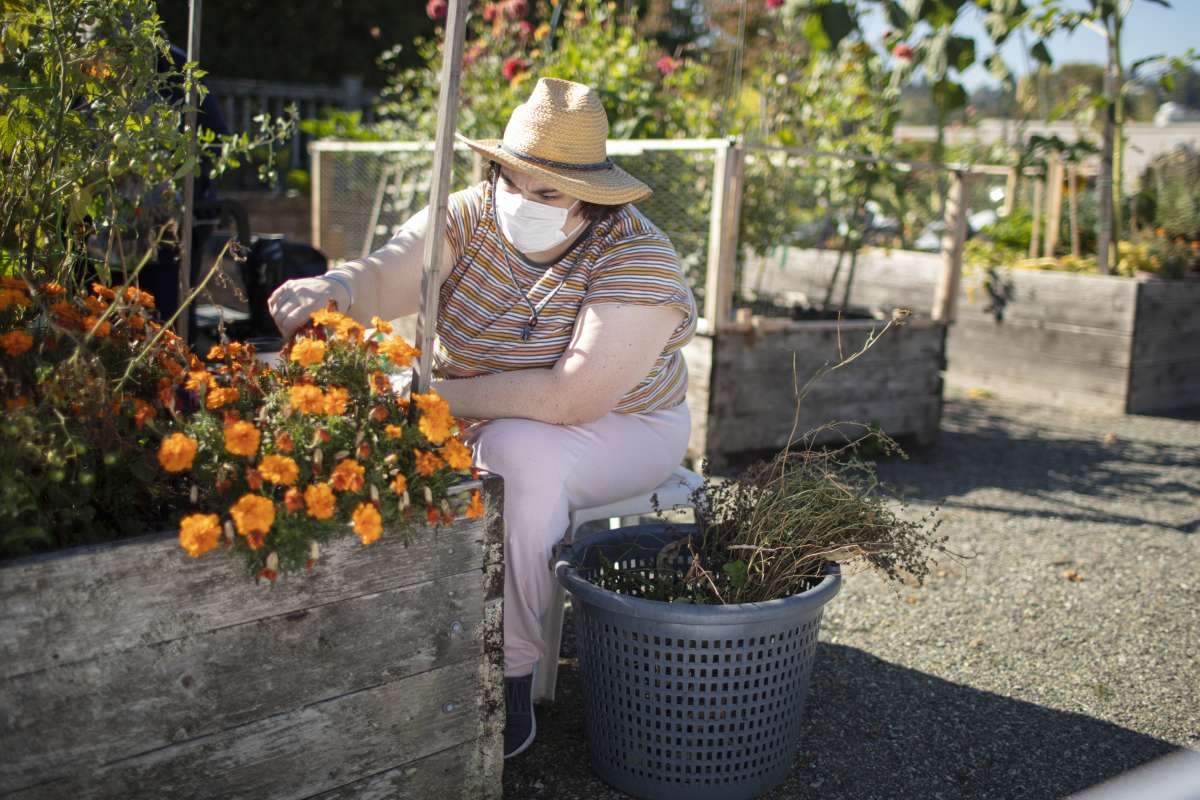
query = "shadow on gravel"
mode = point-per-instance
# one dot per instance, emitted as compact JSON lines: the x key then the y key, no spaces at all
{"x":878,"y":730}
{"x":978,"y":449}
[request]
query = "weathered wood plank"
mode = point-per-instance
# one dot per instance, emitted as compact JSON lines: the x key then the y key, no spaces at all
{"x":698,"y":355}
{"x":896,"y":384}
{"x":304,"y":752}
{"x":887,"y":279}
{"x":452,"y":774}
{"x":981,"y":339}
{"x":146,"y":590}
{"x":734,"y":432}
{"x":1164,"y":386}
{"x":137,"y":700}
{"x":1015,"y":388}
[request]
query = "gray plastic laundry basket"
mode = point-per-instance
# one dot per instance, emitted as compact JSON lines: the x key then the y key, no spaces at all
{"x":683,"y":701}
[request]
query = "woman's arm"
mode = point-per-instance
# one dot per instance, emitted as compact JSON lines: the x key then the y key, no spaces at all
{"x":387,"y":283}
{"x":613,"y":349}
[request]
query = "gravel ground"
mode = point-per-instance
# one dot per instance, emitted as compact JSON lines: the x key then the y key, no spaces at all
{"x":1059,"y":652}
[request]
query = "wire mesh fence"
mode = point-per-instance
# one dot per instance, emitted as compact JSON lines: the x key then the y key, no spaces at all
{"x":805,"y":222}
{"x":364,"y":191}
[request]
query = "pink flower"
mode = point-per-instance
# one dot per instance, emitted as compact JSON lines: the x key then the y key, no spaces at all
{"x":436,"y":9}
{"x":472,"y":55}
{"x":666,"y":65}
{"x":524,"y":29}
{"x":490,"y":11}
{"x":515,"y":9}
{"x":774,"y":3}
{"x":904,"y":52}
{"x":514,"y":67}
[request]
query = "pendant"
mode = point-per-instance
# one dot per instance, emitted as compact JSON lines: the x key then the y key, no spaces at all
{"x":525,"y":334}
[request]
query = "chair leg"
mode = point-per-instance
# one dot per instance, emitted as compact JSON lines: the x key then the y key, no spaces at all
{"x":546,"y":674}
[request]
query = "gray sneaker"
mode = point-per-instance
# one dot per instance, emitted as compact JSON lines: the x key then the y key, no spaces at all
{"x":519,"y":726}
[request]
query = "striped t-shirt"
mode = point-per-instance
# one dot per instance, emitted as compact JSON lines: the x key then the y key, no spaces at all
{"x":624,"y":258}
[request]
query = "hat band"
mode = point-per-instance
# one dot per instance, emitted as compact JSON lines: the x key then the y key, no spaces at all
{"x":545,"y":162}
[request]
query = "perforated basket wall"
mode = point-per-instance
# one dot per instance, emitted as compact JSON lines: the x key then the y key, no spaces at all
{"x":688,"y":701}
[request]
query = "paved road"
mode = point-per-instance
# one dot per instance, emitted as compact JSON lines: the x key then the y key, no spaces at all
{"x":1063,"y":650}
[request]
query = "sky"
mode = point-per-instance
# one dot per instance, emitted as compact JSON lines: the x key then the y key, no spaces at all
{"x":1149,"y":30}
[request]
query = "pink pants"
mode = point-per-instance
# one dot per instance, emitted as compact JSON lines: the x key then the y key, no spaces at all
{"x":550,"y":470}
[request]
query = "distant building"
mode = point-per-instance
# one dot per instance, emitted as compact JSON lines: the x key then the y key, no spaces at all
{"x":1171,"y":112}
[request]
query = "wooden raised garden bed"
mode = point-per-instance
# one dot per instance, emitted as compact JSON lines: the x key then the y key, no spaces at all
{"x":1093,"y":342}
{"x":742,"y":388}
{"x":130,"y":670}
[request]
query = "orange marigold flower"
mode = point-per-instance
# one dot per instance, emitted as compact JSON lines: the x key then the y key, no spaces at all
{"x":284,"y":443}
{"x":293,"y":499}
{"x":347,"y":476}
{"x":13,"y":297}
{"x":435,"y":419}
{"x":308,"y":352}
{"x":200,"y":377}
{"x":172,"y":366}
{"x":14,"y":283}
{"x":16,"y":403}
{"x":398,"y":351}
{"x":142,"y":411}
{"x":215,"y":353}
{"x":241,"y":438}
{"x":220,"y":397}
{"x":349,"y":329}
{"x":94,"y":305}
{"x":166,"y":393}
{"x":379,"y":413}
{"x":368,"y":524}
{"x":336,"y":400}
{"x":199,"y":533}
{"x":16,"y":342}
{"x":475,"y":507}
{"x":279,"y":469}
{"x":253,"y":515}
{"x":381,"y":325}
{"x":320,"y":500}
{"x":176,"y":452}
{"x":380,"y":383}
{"x":307,"y":399}
{"x":327,"y":318}
{"x":254,"y":479}
{"x":137,"y":322}
{"x":399,"y":484}
{"x":140,"y":296}
{"x":93,"y":323}
{"x":394,"y":431}
{"x":65,"y":314}
{"x":52,"y":288}
{"x":363,"y":451}
{"x":427,"y":463}
{"x":457,"y":454}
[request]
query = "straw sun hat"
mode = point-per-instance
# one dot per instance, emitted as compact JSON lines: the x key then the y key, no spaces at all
{"x":558,"y":136}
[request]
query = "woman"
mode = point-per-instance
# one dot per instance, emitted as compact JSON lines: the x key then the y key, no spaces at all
{"x":562,"y":315}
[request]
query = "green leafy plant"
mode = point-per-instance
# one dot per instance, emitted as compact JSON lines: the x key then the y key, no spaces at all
{"x":76,"y":449}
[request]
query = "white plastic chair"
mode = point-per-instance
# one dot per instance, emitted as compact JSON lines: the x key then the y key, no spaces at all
{"x":674,"y":492}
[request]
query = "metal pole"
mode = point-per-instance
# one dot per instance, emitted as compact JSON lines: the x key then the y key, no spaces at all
{"x":439,"y":193}
{"x":189,"y":179}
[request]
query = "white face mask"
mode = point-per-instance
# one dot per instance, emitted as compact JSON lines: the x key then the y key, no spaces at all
{"x":531,"y":226}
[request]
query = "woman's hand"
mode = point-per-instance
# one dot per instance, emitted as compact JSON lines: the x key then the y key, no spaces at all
{"x":294,"y":301}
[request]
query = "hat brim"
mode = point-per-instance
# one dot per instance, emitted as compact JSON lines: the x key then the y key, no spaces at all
{"x":610,"y":187}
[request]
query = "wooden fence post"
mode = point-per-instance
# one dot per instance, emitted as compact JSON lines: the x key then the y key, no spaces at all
{"x":1054,"y":200}
{"x":728,"y":172}
{"x":953,"y":243}
{"x":1073,"y":202}
{"x":1010,"y":193}
{"x":1035,"y":237}
{"x":314,"y":188}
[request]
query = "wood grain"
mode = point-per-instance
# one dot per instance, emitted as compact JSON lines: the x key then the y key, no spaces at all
{"x":84,"y":602}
